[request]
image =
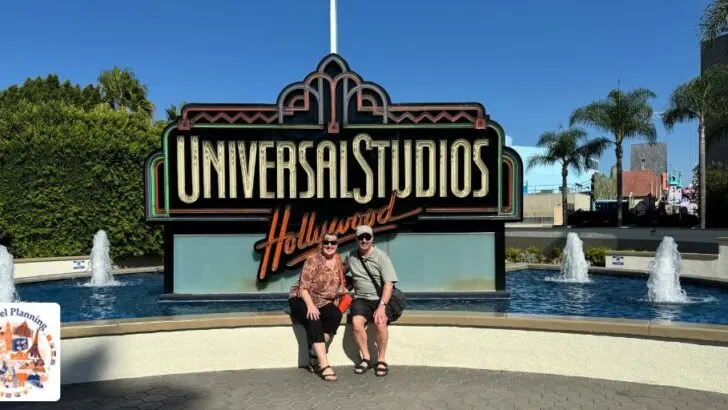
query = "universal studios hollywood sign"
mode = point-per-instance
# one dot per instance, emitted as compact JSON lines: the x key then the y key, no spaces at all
{"x":331,"y":154}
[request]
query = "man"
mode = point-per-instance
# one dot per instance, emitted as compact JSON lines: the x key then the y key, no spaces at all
{"x":373,"y":279}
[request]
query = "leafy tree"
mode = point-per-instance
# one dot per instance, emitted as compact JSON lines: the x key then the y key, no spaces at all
{"x":41,"y":90}
{"x":123,"y":91}
{"x":569,"y":148}
{"x":605,"y":187}
{"x":714,"y":21}
{"x":625,"y":115}
{"x":704,"y":98}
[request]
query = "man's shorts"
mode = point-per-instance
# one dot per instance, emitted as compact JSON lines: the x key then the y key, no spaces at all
{"x":366,"y":308}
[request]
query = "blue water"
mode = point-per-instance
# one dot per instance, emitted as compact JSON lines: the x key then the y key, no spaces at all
{"x":607,"y":296}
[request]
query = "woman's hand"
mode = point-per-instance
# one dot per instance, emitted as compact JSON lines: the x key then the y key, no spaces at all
{"x":313,"y":312}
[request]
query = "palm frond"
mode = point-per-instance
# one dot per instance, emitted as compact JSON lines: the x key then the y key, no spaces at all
{"x":541,"y":160}
{"x":683,"y":105}
{"x":547,"y":139}
{"x":641,"y":94}
{"x":714,"y":20}
{"x":622,"y":114}
{"x":570,"y":148}
{"x":595,"y":114}
{"x":592,"y":150}
{"x":704,"y":96}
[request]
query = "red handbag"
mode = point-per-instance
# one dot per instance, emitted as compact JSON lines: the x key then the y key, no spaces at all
{"x":345,"y":302}
{"x":346,"y":298}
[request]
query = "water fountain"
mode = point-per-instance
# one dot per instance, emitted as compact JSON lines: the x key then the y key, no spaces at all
{"x":101,"y":274}
{"x":7,"y":283}
{"x":574,"y":267}
{"x":663,"y":286}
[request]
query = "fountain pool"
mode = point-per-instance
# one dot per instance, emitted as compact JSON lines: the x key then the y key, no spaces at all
{"x":604,"y":296}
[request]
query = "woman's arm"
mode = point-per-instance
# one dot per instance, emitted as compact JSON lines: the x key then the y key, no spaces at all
{"x":307,"y":273}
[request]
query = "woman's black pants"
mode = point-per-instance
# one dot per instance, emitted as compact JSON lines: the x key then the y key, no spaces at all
{"x":328,"y":321}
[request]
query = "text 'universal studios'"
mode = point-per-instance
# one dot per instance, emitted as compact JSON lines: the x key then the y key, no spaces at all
{"x":362,"y":169}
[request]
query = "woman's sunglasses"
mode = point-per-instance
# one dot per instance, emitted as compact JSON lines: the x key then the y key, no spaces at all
{"x":325,"y":242}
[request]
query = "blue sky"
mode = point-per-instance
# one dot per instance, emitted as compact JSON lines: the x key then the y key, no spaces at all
{"x":530,"y":62}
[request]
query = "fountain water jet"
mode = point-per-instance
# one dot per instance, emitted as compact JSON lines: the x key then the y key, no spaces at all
{"x":7,"y":281}
{"x":574,"y":267}
{"x":663,"y":286}
{"x":101,"y":274}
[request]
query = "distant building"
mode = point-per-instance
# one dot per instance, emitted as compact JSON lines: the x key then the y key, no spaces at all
{"x":642,"y":187}
{"x":547,"y":179}
{"x":545,"y":209}
{"x":716,"y":53}
{"x":648,"y":157}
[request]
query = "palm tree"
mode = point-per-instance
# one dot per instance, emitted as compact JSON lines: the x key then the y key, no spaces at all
{"x":172,"y":112}
{"x":703,"y":98}
{"x":625,"y":115}
{"x":123,"y":91}
{"x":714,"y":21}
{"x":570,"y":148}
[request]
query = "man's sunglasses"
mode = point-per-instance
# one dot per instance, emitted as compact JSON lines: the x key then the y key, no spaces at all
{"x":365,"y":237}
{"x":329,"y":242}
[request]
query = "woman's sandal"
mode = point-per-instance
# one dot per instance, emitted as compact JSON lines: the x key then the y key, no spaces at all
{"x":359,"y":369}
{"x":327,"y":377}
{"x":381,"y":371}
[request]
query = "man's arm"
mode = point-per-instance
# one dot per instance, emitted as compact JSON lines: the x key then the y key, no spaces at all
{"x":386,"y":293}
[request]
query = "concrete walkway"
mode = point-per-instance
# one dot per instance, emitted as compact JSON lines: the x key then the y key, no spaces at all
{"x":404,"y":388}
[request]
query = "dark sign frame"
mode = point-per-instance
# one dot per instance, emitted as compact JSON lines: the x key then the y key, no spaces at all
{"x":406,"y":169}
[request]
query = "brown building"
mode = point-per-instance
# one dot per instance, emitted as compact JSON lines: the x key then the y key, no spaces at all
{"x":641,"y":187}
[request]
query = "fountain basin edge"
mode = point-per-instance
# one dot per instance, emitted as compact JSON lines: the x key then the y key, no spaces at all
{"x":638,"y":351}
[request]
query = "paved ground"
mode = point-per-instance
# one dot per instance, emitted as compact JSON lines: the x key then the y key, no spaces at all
{"x":403,"y":388}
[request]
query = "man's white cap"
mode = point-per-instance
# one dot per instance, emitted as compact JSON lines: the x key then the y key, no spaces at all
{"x":362,"y":229}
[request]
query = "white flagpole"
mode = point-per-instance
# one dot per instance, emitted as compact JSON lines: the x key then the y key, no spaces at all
{"x":332,"y":23}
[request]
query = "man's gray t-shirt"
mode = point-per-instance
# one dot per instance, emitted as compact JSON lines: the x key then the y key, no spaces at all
{"x":380,"y":266}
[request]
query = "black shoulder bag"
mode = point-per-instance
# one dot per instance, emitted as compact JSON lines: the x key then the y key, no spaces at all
{"x":398,"y":302}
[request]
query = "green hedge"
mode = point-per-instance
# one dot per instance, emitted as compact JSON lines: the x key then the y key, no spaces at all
{"x":595,"y":256}
{"x":66,"y":173}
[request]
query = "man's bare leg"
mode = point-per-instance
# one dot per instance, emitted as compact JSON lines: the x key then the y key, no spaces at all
{"x":382,"y":340}
{"x":360,"y":335}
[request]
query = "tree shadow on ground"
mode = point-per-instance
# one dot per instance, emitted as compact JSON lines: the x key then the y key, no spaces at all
{"x":135,"y":393}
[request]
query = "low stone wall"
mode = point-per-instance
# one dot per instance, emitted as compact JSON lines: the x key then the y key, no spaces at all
{"x":701,"y":266}
{"x":645,"y":239}
{"x":650,"y":352}
{"x":33,"y":267}
{"x":69,"y":267}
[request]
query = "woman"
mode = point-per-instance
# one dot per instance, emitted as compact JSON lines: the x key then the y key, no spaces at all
{"x":313,"y":302}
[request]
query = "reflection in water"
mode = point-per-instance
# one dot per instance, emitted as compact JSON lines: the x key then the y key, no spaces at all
{"x":578,"y":299}
{"x":101,"y":304}
{"x":670,"y":311}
